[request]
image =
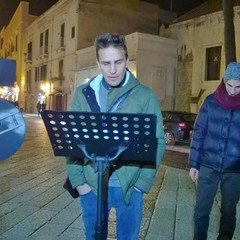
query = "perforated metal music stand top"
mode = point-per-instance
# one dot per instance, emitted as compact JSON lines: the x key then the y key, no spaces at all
{"x":102,"y":134}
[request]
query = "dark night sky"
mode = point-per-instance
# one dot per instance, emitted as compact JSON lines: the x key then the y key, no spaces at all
{"x":8,"y":7}
{"x":37,"y":7}
{"x":178,"y":6}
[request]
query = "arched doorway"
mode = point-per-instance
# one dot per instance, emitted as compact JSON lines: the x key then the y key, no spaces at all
{"x":58,"y":101}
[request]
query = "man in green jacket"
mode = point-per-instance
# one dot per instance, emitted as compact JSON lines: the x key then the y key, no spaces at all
{"x":127,"y":182}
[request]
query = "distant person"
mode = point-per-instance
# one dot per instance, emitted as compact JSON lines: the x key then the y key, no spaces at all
{"x":15,"y":103}
{"x":129,"y":181}
{"x":38,"y":106}
{"x":43,"y":106}
{"x":215,"y":155}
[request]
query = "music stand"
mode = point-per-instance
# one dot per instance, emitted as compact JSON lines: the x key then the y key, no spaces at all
{"x":102,"y":138}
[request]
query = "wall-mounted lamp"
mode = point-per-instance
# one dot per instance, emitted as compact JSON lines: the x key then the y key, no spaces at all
{"x":45,"y":87}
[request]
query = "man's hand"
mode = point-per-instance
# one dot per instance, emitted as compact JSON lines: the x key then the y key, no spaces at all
{"x":83,"y":189}
{"x":193,"y":173}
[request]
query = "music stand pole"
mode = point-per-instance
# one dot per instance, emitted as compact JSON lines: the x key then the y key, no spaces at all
{"x":101,"y":164}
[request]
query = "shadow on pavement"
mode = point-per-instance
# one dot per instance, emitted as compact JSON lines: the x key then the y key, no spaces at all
{"x":175,"y":159}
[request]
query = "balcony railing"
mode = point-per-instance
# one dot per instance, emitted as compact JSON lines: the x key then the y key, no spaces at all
{"x":61,"y":45}
{"x":28,"y":57}
{"x":43,"y":51}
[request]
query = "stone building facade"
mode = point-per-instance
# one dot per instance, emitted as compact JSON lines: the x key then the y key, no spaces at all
{"x":12,"y":44}
{"x":49,"y":43}
{"x":201,"y":54}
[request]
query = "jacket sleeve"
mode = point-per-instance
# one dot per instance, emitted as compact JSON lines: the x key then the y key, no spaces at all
{"x":148,"y":173}
{"x":199,"y":133}
{"x":74,"y":165}
{"x":74,"y":172}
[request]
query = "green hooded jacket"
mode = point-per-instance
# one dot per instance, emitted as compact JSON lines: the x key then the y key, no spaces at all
{"x":141,"y":100}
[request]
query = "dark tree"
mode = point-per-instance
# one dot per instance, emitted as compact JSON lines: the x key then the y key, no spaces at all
{"x":229,"y":31}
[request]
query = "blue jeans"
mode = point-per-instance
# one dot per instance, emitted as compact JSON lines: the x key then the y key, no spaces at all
{"x":207,"y":187}
{"x":128,"y":217}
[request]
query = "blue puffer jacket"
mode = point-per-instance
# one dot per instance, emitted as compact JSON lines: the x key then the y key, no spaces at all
{"x":216,"y":138}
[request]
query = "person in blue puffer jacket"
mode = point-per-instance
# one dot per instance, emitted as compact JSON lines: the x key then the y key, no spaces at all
{"x":214,"y":157}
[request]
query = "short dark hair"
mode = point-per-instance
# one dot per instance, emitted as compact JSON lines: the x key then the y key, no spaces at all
{"x":110,"y":40}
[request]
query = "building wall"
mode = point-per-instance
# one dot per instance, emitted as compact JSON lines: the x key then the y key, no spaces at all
{"x":156,"y":62}
{"x":183,"y":85}
{"x":122,"y":17}
{"x":54,"y":87}
{"x":12,"y":36}
{"x":193,"y":37}
{"x":89,"y":19}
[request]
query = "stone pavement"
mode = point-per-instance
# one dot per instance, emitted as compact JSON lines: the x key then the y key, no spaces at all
{"x":34,"y":205}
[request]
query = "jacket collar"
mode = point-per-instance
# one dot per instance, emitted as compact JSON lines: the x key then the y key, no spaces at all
{"x":91,"y":90}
